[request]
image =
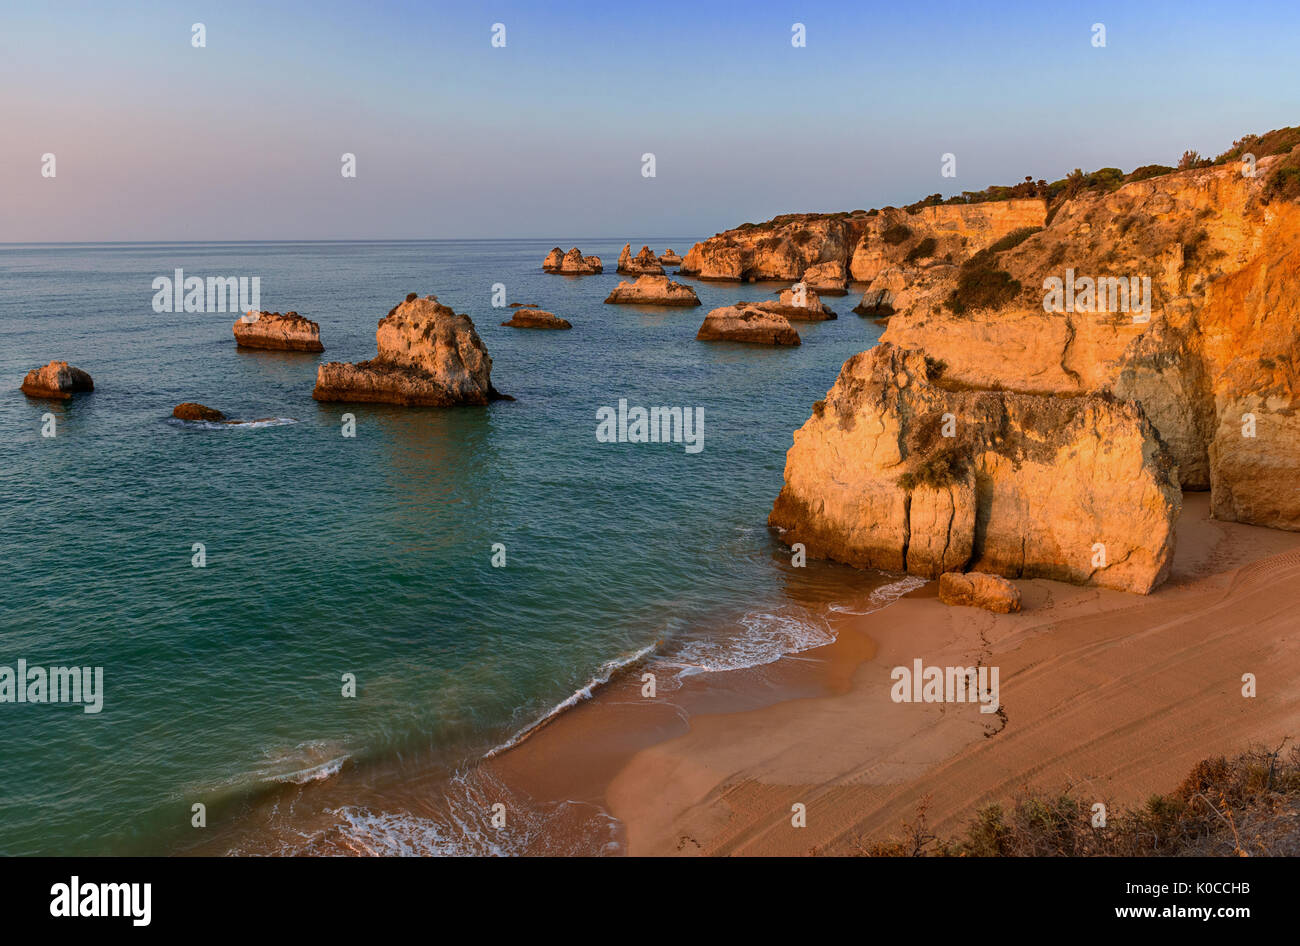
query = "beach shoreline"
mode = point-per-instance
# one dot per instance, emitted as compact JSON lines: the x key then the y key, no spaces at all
{"x":1114,"y":694}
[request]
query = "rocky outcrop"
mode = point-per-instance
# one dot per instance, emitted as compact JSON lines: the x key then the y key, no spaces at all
{"x":271,"y":330}
{"x":828,"y":278}
{"x":191,"y":410}
{"x":799,"y":303}
{"x":572,"y":263}
{"x":428,"y":356}
{"x":58,"y":381}
{"x":747,"y":322}
{"x":1215,"y":362}
{"x":653,"y":290}
{"x":644,"y":263}
{"x":783,"y":249}
{"x":978,"y":590}
{"x":670,"y":258}
{"x":536,"y":318}
{"x":900,"y":470}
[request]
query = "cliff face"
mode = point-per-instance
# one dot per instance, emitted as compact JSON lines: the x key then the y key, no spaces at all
{"x":428,"y":355}
{"x":1078,"y":489}
{"x":1214,"y":361}
{"x":827,"y":249}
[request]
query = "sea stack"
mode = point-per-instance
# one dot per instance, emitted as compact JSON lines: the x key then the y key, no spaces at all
{"x":644,"y":263}
{"x":653,"y":290}
{"x":275,"y":332}
{"x":799,"y":303}
{"x":747,"y":323}
{"x":572,"y":263}
{"x":670,"y":258}
{"x":57,"y":380}
{"x":532,"y":317}
{"x":428,"y":356}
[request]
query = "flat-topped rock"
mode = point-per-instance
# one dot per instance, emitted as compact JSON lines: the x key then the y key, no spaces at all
{"x":670,"y":258}
{"x":572,"y":263}
{"x":653,"y":290}
{"x":275,"y":332}
{"x":57,"y":380}
{"x":428,"y":356}
{"x":978,"y":590}
{"x":644,"y":263}
{"x":536,"y":318}
{"x":747,"y":322}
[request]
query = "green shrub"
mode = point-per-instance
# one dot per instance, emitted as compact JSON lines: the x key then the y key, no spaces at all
{"x":922,"y":250}
{"x":896,"y":234}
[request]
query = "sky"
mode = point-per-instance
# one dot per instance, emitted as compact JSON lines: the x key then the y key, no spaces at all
{"x":156,"y":140}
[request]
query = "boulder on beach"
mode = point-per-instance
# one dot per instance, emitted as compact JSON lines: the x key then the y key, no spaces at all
{"x":670,"y":258}
{"x":747,"y":323}
{"x":978,"y":590}
{"x":58,"y":380}
{"x":191,"y":410}
{"x":653,"y":290}
{"x":428,"y":356}
{"x":536,"y":318}
{"x":276,"y":332}
{"x":572,"y":263}
{"x":644,"y":263}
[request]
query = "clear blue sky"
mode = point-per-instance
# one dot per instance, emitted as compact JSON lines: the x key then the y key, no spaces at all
{"x":157,"y":140}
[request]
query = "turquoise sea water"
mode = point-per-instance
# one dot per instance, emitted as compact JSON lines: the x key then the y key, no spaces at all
{"x":372,"y":555}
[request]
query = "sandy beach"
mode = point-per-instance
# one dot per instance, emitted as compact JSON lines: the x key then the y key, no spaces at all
{"x":1115,"y":694}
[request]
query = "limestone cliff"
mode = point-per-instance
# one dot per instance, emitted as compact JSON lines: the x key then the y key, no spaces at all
{"x":900,"y":470}
{"x":1214,"y":359}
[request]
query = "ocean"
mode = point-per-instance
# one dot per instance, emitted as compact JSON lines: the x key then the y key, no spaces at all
{"x":372,"y":555}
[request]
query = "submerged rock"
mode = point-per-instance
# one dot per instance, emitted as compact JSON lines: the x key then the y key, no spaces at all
{"x":644,"y":263}
{"x":428,"y":356}
{"x":572,"y":263}
{"x":276,"y":332}
{"x":653,"y":290}
{"x":978,"y":590}
{"x":895,"y":470}
{"x":747,"y":323}
{"x":57,"y":380}
{"x":536,"y":318}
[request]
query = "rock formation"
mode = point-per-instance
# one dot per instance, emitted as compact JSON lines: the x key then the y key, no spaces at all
{"x":428,"y":355}
{"x":799,"y":303}
{"x":822,"y":248}
{"x":1215,"y":362}
{"x":978,"y":590}
{"x":670,"y":258}
{"x":572,"y":263}
{"x":271,"y":330}
{"x":58,"y":380}
{"x":644,"y":263}
{"x":191,"y":410}
{"x":828,"y":278}
{"x":747,"y":322}
{"x":653,"y":290}
{"x":899,"y":469}
{"x":532,"y":317}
